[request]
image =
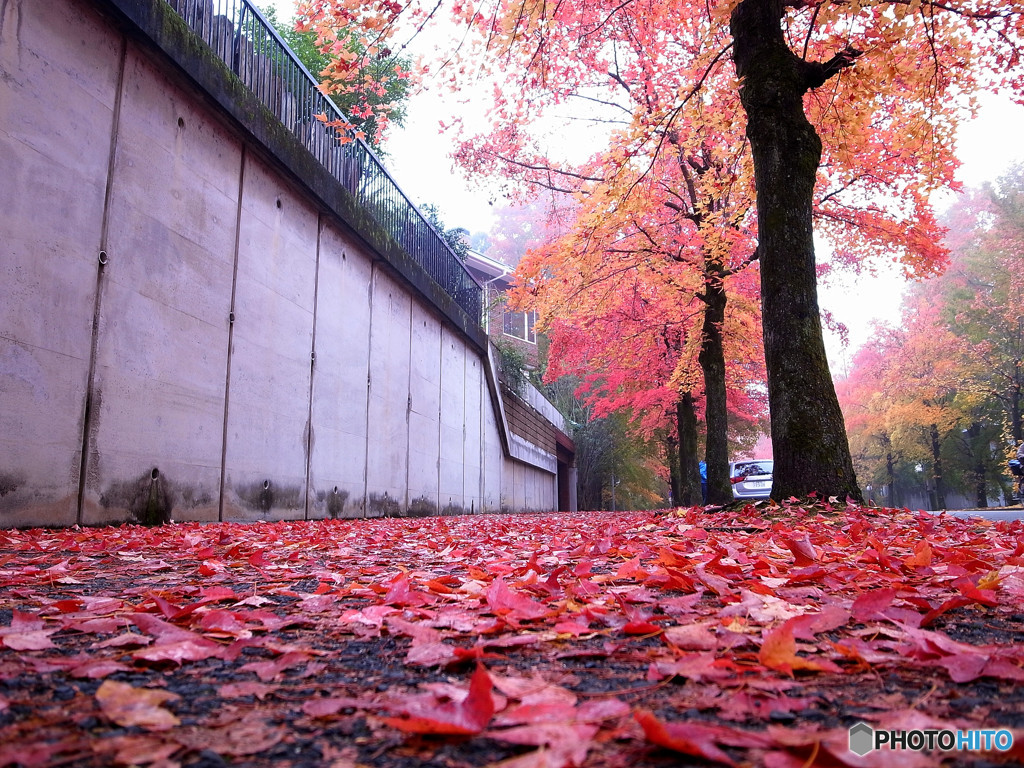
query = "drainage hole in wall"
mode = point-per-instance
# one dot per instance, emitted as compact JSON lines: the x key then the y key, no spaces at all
{"x":266,"y":485}
{"x":155,"y":473}
{"x":181,"y":122}
{"x":279,"y":202}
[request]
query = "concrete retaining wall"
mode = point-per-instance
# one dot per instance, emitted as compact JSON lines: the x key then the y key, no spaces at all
{"x":188,"y":329}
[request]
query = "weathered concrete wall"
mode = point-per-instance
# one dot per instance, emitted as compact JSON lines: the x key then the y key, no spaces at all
{"x":473,"y":443}
{"x":57,"y":115}
{"x":424,"y":413}
{"x":155,"y":426}
{"x":271,"y":349}
{"x":387,"y":473}
{"x":340,"y":383}
{"x":218,"y":336}
{"x":493,"y":455}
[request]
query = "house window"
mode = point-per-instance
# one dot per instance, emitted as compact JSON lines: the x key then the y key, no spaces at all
{"x":520,"y":325}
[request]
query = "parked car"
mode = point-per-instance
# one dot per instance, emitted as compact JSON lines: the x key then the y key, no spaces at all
{"x":751,"y":479}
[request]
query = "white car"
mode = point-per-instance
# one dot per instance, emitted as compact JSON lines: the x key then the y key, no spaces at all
{"x":751,"y":479}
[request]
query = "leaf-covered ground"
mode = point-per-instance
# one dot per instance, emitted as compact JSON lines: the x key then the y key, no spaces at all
{"x":754,"y":637}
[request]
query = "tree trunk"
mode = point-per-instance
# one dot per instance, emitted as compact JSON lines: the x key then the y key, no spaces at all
{"x":689,"y":472}
{"x":1016,"y":421}
{"x":672,"y":456}
{"x":980,"y":484}
{"x":808,"y":434}
{"x":976,"y":449}
{"x":890,"y":469}
{"x":940,"y":489}
{"x":712,"y":363}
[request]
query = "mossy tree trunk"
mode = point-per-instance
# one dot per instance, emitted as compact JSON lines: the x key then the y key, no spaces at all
{"x":808,"y":434}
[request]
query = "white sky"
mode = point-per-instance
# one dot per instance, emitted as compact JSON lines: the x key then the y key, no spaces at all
{"x":988,"y":146}
{"x":419,"y":161}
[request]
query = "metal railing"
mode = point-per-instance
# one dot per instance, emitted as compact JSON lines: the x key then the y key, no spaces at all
{"x":242,"y":37}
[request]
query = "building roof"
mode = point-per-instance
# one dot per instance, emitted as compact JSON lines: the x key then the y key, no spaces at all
{"x":485,"y":269}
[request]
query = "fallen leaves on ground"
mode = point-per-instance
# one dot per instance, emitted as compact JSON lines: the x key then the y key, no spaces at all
{"x":743,"y":637}
{"x":143,"y":707}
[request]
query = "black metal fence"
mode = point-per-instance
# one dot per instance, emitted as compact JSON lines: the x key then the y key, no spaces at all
{"x":240,"y":35}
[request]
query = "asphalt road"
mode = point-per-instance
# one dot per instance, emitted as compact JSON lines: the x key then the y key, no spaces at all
{"x":992,"y":513}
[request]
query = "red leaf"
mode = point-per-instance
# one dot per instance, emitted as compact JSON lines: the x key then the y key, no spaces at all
{"x":69,"y":606}
{"x":26,"y":633}
{"x":1004,"y":670}
{"x":694,"y":666}
{"x":574,"y":627}
{"x":674,"y":579}
{"x":965,"y":667}
{"x":101,"y":626}
{"x":631,"y":569}
{"x":430,"y":654}
{"x":138,"y":750}
{"x":968,"y":589}
{"x":128,"y":706}
{"x":691,"y":637}
{"x":97,"y":668}
{"x":401,"y":593}
{"x":921,"y":558}
{"x":870,"y":605}
{"x":223,"y":622}
{"x":268,"y":670}
{"x":466,"y":717}
{"x":177,"y":651}
{"x":331,"y":706}
{"x":503,"y":601}
{"x":167,"y":609}
{"x":246,"y":688}
{"x":953,"y":602}
{"x":596,"y":710}
{"x":831,"y":617}
{"x":568,"y":742}
{"x":640,"y":628}
{"x":803,"y":551}
{"x":696,"y":739}
{"x":257,"y":560}
{"x":173,"y":643}
{"x":778,"y":652}
{"x":29,"y":640}
{"x":216,"y":594}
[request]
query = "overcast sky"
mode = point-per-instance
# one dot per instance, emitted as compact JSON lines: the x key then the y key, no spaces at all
{"x":987,"y":147}
{"x":418,"y":159}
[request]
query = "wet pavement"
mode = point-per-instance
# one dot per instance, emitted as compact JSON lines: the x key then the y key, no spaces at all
{"x":992,"y":513}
